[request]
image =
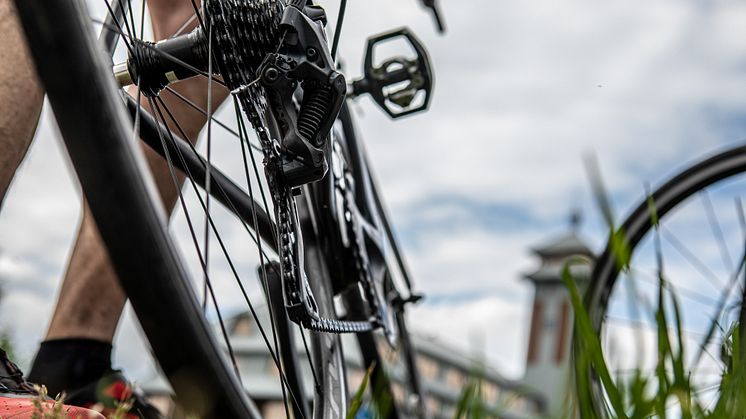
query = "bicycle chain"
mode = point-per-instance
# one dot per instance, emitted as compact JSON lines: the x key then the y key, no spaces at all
{"x":249,"y":30}
{"x":359,"y":252}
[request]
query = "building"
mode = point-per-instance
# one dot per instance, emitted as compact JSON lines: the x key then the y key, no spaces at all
{"x":445,"y":373}
{"x":550,"y":334}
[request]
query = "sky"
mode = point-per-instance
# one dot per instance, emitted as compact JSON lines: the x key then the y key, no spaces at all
{"x":525,"y":90}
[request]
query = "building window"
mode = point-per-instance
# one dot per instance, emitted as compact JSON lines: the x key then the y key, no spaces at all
{"x":389,"y":355}
{"x":427,"y":367}
{"x":535,"y":333}
{"x":490,"y":392}
{"x":433,"y":405}
{"x":242,"y":328}
{"x":274,"y":410}
{"x":355,"y":379}
{"x":562,"y":332}
{"x":454,"y":378}
{"x":399,"y":396}
{"x":272,"y":368}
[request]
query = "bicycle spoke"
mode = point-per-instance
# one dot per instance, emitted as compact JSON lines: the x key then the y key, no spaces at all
{"x":694,"y":296}
{"x":716,"y":230}
{"x":194,"y":106}
{"x":742,"y":308}
{"x":184,"y":25}
{"x":117,"y":27}
{"x":194,"y":152}
{"x":338,"y":30}
{"x":308,"y":357}
{"x":232,"y":266}
{"x":203,"y":262}
{"x":722,"y":303}
{"x":198,"y":13}
{"x":646,"y":325}
{"x":635,"y":298}
{"x":690,"y":257}
{"x":262,"y":263}
{"x":124,"y":20}
{"x":206,"y":247}
{"x":142,"y":18}
{"x":132,"y":20}
{"x":136,"y":130}
{"x":237,"y":279}
{"x":242,"y":129}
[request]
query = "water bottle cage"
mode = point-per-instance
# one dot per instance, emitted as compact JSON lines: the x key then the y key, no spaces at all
{"x":303,"y":62}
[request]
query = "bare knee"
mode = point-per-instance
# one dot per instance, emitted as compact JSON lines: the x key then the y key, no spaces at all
{"x":20,"y":92}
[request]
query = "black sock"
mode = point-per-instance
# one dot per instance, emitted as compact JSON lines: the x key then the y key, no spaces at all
{"x":67,"y":364}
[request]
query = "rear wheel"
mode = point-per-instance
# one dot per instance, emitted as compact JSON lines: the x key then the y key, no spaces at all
{"x":177,"y":313}
{"x":682,"y":288}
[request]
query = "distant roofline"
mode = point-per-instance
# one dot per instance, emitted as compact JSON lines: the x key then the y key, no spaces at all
{"x":443,"y":352}
{"x":566,"y":244}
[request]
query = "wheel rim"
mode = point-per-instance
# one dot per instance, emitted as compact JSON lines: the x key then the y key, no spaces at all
{"x":603,"y":296}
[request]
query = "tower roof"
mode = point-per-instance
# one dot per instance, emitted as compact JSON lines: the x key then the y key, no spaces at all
{"x":554,"y":254}
{"x":552,"y":273}
{"x":568,"y":244}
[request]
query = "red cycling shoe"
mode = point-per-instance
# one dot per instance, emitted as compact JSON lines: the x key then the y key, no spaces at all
{"x":28,"y":406}
{"x":20,"y":400}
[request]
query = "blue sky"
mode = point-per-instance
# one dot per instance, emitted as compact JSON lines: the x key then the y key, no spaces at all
{"x":524,"y":89}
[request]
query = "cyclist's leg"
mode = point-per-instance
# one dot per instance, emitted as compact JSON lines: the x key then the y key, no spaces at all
{"x":91,"y":300}
{"x":20,"y":96}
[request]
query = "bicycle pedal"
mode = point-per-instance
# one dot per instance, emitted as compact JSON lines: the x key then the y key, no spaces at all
{"x":399,"y":85}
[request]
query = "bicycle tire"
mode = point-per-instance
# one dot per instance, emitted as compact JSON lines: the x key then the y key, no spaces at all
{"x":641,"y":222}
{"x":393,"y":370}
{"x":94,"y":127}
{"x":395,"y":383}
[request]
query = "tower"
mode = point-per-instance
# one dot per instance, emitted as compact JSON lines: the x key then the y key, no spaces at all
{"x":550,"y":335}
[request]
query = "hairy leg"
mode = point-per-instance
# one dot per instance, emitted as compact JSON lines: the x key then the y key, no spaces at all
{"x":91,"y":300}
{"x":20,"y":95}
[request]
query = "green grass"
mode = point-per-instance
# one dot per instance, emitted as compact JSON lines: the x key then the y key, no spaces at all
{"x":668,"y":391}
{"x":359,"y":398}
{"x":645,"y":395}
{"x":372,"y":396}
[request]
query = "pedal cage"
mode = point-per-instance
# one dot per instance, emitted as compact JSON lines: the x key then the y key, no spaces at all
{"x":396,"y":84}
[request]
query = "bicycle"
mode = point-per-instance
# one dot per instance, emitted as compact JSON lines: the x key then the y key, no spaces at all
{"x":681,"y":327}
{"x":323,"y":219}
